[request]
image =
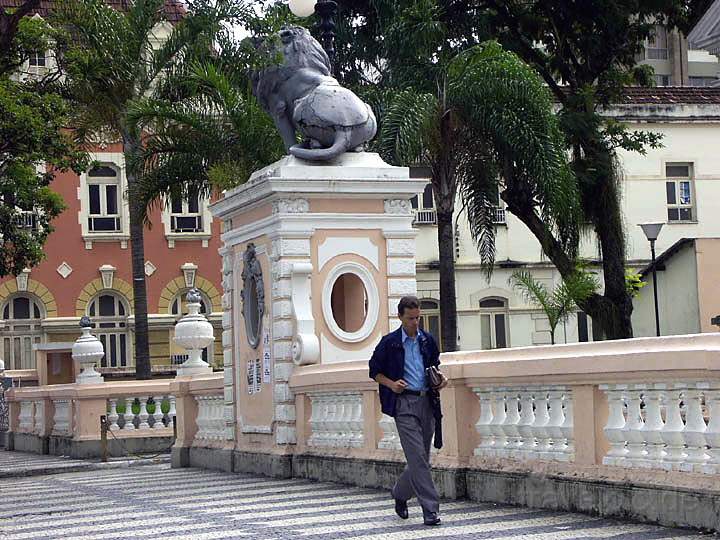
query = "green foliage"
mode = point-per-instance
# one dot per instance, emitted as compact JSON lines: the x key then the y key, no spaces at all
{"x":32,"y":131}
{"x":633,"y":282}
{"x":559,"y":303}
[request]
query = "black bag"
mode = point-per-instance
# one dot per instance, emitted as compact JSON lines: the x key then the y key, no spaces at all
{"x":434,"y":377}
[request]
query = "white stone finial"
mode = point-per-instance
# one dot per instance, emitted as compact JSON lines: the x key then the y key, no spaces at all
{"x":88,"y":351}
{"x":193,"y":333}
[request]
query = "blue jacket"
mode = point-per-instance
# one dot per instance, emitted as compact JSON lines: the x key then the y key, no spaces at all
{"x":389,"y":359}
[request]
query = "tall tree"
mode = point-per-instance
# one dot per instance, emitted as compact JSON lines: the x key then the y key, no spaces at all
{"x":471,"y":116}
{"x":33,"y":143}
{"x":586,"y":52}
{"x":113,"y":58}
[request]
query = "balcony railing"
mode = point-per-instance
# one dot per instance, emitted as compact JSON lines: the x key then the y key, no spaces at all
{"x":499,"y":216}
{"x":27,"y":220}
{"x":184,"y":224}
{"x":425,"y":217}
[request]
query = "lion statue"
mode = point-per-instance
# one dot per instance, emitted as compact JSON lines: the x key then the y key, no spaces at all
{"x":302,"y":97}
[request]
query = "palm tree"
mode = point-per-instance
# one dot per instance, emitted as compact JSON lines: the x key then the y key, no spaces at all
{"x":559,"y":304}
{"x":485,"y":118}
{"x":111,"y":59}
{"x":206,"y":131}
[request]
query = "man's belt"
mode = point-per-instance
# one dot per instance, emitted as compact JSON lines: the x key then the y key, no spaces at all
{"x":420,"y":393}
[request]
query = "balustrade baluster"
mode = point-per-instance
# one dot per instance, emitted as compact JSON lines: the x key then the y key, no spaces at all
{"x":672,"y":430}
{"x":482,"y":426}
{"x":712,"y":433}
{"x":143,"y":414}
{"x":653,"y":427}
{"x":614,"y":429}
{"x":113,"y":415}
{"x":632,"y":431}
{"x":524,"y":425}
{"x":357,"y":420}
{"x":158,"y":414}
{"x":314,"y":420}
{"x":171,"y":412}
{"x":500,"y":440}
{"x":694,"y":433}
{"x":512,"y":417}
{"x":391,"y":438}
{"x":539,"y":427}
{"x":129,"y":416}
{"x":567,"y":427}
{"x":556,"y":450}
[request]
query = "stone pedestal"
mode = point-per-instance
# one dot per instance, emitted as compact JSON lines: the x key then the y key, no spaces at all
{"x":316,"y":257}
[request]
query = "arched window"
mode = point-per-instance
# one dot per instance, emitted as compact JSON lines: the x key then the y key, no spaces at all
{"x":108,"y":313}
{"x":430,"y":318}
{"x":178,"y":307}
{"x":22,"y":315}
{"x":494,"y":323}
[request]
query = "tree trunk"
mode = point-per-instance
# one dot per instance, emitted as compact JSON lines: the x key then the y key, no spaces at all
{"x":448,"y":300}
{"x":131,"y":145}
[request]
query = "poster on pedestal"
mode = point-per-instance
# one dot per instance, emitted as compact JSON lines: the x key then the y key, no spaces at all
{"x":250,"y":376}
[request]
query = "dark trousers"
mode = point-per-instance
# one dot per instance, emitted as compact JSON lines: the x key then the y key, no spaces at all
{"x":415,"y":424}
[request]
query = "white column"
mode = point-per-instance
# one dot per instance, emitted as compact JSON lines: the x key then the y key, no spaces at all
{"x":172,"y":412}
{"x":390,"y":439}
{"x":143,"y":414}
{"x":614,"y":429}
{"x":567,"y":427}
{"x":158,"y":414}
{"x":539,"y":427}
{"x":633,"y":429}
{"x":653,"y":427}
{"x":694,"y":433}
{"x":512,"y":417}
{"x":712,"y":433}
{"x":558,"y":445}
{"x":129,"y":416}
{"x":113,"y":416}
{"x":482,"y":426}
{"x":672,"y":431}
{"x":500,"y":440}
{"x":524,"y":425}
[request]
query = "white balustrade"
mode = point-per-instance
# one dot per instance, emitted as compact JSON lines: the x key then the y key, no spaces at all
{"x":526,"y":423}
{"x":336,"y":419}
{"x":143,"y":420}
{"x":27,"y":416}
{"x":62,"y":418}
{"x":210,"y":418}
{"x":646,"y":426}
{"x":390,"y":439}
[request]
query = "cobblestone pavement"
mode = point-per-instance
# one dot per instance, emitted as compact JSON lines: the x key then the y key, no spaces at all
{"x":14,"y":464}
{"x":155,"y":501}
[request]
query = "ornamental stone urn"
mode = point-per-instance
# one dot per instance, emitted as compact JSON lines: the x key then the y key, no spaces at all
{"x":88,"y":351}
{"x":193,"y":333}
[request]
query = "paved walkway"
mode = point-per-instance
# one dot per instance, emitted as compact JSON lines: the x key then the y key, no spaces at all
{"x":157,"y":502}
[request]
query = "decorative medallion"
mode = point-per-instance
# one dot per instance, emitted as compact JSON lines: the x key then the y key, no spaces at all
{"x":398,"y":206}
{"x":252,"y":296}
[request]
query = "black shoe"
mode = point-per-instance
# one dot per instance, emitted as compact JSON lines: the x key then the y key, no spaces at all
{"x":431,"y":518}
{"x":401,"y":508}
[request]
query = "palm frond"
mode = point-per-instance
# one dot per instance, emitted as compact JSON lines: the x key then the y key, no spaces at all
{"x":407,"y":127}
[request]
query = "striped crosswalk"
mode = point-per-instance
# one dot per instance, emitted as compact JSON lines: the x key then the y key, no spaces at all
{"x":155,"y":501}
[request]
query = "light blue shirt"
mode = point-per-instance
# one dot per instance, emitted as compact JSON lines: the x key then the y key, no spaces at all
{"x":414,"y":366}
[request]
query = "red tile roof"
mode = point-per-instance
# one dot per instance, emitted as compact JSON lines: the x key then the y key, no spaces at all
{"x":174,"y":9}
{"x":669,"y":95}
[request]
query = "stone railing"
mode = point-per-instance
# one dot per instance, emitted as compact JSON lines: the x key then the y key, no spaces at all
{"x":642,"y":404}
{"x":202,"y":412}
{"x":69,"y":415}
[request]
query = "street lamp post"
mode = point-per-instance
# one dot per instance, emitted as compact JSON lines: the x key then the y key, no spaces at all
{"x":652,"y":230}
{"x":327,"y":11}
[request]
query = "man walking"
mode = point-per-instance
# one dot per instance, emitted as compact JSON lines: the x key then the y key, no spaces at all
{"x":399,"y":365}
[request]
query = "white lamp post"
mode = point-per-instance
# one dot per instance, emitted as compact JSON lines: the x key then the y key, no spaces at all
{"x":652,"y":230}
{"x":88,"y":351}
{"x":193,"y":333}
